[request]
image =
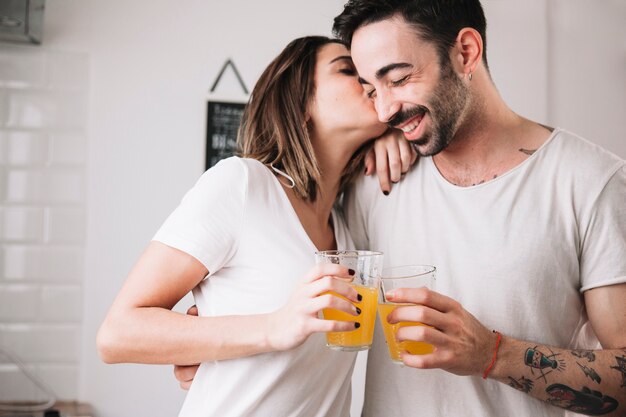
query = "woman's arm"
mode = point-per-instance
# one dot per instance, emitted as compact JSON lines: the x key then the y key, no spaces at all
{"x":141,"y":328}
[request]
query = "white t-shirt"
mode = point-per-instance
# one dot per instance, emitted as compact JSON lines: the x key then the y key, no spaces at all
{"x":238,"y":221}
{"x":517,"y":252}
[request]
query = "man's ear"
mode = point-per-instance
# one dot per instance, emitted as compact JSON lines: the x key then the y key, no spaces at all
{"x":468,"y":51}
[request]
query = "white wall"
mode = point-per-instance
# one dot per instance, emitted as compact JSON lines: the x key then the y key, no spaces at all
{"x":561,"y":62}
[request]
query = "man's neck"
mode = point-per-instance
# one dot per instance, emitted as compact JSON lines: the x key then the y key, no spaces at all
{"x":491,"y":140}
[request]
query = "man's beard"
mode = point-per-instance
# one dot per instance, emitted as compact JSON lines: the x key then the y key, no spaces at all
{"x":445,"y":107}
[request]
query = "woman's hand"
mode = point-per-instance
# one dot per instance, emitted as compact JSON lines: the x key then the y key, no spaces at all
{"x":186,"y":373}
{"x":390,"y":157}
{"x":291,"y":325}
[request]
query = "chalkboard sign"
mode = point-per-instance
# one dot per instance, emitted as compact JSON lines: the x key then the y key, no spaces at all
{"x":223,"y":120}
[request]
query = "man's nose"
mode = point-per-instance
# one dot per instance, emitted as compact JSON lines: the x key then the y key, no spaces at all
{"x":386,"y":106}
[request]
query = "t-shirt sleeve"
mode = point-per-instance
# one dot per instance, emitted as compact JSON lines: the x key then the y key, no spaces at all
{"x":603,"y":254}
{"x":208,"y":221}
{"x":356,"y":214}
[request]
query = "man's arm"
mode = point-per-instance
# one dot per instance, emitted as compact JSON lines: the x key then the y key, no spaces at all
{"x":583,"y":381}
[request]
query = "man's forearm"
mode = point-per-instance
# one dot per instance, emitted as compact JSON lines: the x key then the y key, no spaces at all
{"x":591,"y":382}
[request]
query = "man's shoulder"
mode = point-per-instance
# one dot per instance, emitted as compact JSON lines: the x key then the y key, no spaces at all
{"x":582,"y":156}
{"x":569,"y":155}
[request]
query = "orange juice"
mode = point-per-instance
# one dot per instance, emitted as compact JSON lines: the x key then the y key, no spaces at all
{"x":395,"y":347}
{"x":357,"y":339}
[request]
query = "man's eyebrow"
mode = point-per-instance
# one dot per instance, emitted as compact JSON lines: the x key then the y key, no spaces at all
{"x":384,"y":70}
{"x":342,"y":57}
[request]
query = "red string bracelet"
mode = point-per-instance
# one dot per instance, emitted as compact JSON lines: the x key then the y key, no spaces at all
{"x":495,"y":353}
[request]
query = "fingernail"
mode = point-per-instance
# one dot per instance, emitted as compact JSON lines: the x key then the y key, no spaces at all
{"x":359,"y":297}
{"x":386,"y":192}
{"x":351,"y":271}
{"x":358,"y":310}
{"x":390,"y":295}
{"x":357,"y":325}
{"x":395,"y":182}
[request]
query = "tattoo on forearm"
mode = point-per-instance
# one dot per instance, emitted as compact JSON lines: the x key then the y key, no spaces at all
{"x":536,"y":359}
{"x":528,"y":151}
{"x":587,"y":354}
{"x":523,"y":384}
{"x":621,"y":367}
{"x":585,"y":401}
{"x":590,"y":372}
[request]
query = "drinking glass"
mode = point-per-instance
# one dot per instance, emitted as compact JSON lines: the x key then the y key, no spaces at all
{"x":408,"y":276}
{"x":368,"y":267}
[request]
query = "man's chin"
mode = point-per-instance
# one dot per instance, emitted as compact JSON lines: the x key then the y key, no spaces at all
{"x":422,"y":145}
{"x":426,"y":147}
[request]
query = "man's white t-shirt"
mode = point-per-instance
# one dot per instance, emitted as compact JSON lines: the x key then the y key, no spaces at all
{"x":238,"y":221}
{"x":517,"y":252}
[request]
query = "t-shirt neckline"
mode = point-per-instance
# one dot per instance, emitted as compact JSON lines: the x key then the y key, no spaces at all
{"x":294,"y":216}
{"x":516,"y":168}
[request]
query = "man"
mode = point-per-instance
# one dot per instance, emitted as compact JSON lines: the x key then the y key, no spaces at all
{"x":526,"y":225}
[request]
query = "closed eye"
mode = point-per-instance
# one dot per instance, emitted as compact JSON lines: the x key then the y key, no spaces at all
{"x":348,"y":71}
{"x":399,"y":82}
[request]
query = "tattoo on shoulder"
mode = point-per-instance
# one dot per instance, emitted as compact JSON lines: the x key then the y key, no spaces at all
{"x":621,"y":367}
{"x":535,"y":359}
{"x":586,"y":354}
{"x":523,"y":384}
{"x":585,"y":401}
{"x":590,"y":372}
{"x":528,"y":151}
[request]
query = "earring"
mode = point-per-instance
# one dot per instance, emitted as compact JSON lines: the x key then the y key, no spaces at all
{"x":470,"y":76}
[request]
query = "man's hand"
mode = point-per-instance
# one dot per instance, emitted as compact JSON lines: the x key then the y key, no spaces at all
{"x":463,"y":346}
{"x":390,"y":157}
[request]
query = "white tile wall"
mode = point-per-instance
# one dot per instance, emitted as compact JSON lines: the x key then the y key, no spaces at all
{"x":26,"y":148}
{"x":21,"y":67}
{"x":4,"y":107}
{"x":68,"y":148}
{"x":37,"y":109}
{"x":22,"y":224}
{"x":47,"y":343}
{"x":61,"y":304}
{"x":19,"y":303}
{"x":43,"y":154}
{"x":47,"y":185}
{"x":62,"y":379}
{"x":65,"y":225}
{"x":49,"y":263}
{"x":16,"y":386}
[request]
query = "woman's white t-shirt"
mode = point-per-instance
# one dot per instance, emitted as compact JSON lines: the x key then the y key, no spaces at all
{"x":238,"y":221}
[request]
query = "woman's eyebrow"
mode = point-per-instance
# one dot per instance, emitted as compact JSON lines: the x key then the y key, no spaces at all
{"x":342,"y":57}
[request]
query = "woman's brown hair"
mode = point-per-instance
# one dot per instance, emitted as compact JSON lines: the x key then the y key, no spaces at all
{"x":274,"y":127}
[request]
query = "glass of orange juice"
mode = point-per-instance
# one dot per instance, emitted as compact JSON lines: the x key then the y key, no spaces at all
{"x":368,"y":267}
{"x":409,"y":276}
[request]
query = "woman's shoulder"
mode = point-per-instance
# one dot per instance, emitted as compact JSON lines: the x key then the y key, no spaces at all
{"x":236,"y":173}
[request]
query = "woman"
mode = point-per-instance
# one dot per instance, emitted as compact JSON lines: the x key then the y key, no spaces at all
{"x":243,"y":238}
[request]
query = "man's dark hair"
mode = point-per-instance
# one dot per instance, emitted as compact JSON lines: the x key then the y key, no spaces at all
{"x":436,"y":21}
